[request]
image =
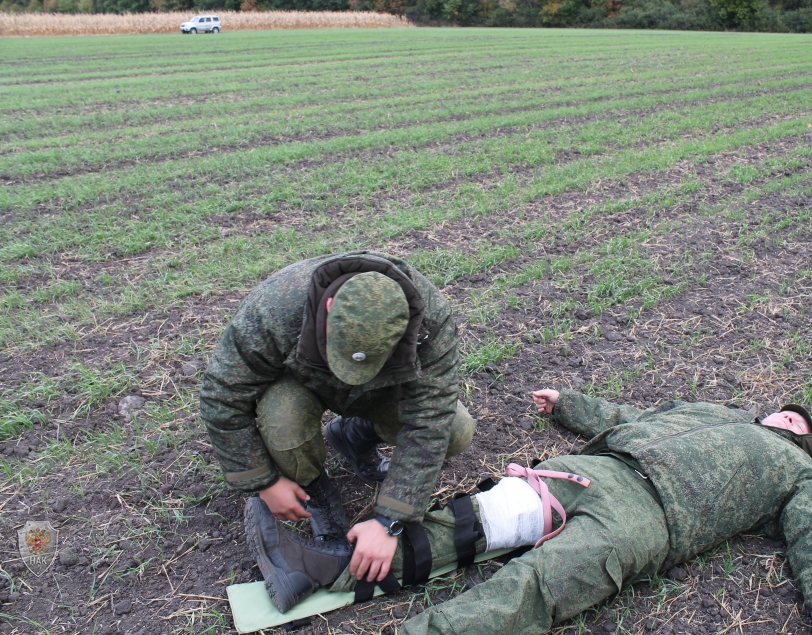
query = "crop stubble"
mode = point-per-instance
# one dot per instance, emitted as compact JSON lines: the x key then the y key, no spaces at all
{"x":677,"y":220}
{"x":50,"y":24}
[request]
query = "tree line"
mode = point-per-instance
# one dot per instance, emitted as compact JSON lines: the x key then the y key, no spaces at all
{"x":706,"y":15}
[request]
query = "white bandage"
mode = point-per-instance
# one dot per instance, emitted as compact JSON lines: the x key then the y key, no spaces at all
{"x":512,"y":514}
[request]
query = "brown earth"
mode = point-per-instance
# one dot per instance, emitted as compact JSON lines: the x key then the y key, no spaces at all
{"x":149,"y":547}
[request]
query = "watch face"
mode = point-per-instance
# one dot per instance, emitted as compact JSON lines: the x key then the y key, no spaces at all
{"x":396,"y":528}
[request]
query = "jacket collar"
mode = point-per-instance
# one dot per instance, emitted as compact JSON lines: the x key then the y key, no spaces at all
{"x":803,"y":441}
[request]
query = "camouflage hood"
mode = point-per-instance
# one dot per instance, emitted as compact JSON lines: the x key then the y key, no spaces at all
{"x":327,"y":279}
{"x":803,"y":441}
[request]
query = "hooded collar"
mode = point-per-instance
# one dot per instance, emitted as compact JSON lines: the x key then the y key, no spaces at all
{"x":325,"y":282}
{"x":803,"y":441}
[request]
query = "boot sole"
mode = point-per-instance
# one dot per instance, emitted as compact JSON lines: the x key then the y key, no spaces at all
{"x":337,"y":443}
{"x":281,"y":594}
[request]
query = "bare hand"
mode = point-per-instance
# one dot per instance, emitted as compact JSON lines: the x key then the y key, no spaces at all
{"x":374,"y":550}
{"x":284,"y":499}
{"x":546,"y":400}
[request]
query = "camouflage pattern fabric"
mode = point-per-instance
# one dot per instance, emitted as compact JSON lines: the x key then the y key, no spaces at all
{"x":266,"y":340}
{"x":439,"y":526}
{"x":718,"y":472}
{"x":714,"y":472}
{"x":616,"y":533}
{"x":369,"y":315}
{"x":289,"y":420}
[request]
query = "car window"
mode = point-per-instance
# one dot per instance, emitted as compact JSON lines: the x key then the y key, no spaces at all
{"x":208,"y":19}
{"x":216,"y":19}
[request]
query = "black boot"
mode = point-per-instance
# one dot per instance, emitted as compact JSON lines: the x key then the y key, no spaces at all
{"x":355,"y":438}
{"x":328,"y":520}
{"x":293,"y":567}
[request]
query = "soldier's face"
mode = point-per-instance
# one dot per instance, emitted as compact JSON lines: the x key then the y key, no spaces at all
{"x":787,"y":420}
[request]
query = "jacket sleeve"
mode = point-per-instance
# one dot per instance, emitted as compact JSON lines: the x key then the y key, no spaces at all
{"x":795,"y":525}
{"x":589,"y":416}
{"x":246,"y":361}
{"x":427,"y":408}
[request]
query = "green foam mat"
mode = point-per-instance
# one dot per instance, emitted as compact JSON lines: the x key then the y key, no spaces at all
{"x":253,"y":610}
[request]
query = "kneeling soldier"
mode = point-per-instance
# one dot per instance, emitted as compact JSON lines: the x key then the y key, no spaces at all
{"x":366,"y":336}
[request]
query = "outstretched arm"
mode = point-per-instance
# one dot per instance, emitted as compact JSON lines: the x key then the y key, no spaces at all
{"x":584,"y":415}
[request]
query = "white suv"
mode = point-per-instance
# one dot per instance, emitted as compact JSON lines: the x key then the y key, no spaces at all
{"x":201,"y":24}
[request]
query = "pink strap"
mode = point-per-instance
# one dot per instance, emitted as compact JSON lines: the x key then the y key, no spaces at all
{"x":548,"y":501}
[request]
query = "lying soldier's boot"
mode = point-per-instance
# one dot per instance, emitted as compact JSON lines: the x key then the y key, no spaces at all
{"x":355,"y":438}
{"x":328,"y":519}
{"x":293,"y":567}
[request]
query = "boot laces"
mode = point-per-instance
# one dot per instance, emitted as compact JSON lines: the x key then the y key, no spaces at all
{"x":339,"y":543}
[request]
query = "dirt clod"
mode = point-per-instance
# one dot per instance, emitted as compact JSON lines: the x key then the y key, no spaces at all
{"x":59,"y":504}
{"x":67,"y":558}
{"x":123,"y":607}
{"x":129,"y":404}
{"x":188,"y":370}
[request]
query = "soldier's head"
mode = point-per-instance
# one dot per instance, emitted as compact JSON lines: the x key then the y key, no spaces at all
{"x":366,"y":318}
{"x":791,"y":417}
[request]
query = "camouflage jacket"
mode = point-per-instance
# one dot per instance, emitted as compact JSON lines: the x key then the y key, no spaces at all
{"x":718,"y":472}
{"x":266,"y":338}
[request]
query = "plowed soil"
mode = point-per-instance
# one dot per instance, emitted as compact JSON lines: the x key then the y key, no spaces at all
{"x":674,"y":265}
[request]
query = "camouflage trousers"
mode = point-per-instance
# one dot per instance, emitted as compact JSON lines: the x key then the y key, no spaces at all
{"x":289,"y":420}
{"x":616,"y":533}
{"x":439,"y":528}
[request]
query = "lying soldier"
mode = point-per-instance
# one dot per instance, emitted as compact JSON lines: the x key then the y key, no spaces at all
{"x":652,"y":488}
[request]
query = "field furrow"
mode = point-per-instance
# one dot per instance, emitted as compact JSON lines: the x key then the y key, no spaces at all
{"x":626,"y":213}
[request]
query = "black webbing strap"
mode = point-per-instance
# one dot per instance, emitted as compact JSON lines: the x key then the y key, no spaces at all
{"x":365,"y":590}
{"x":295,"y":625}
{"x":485,"y":484}
{"x":416,"y":554}
{"x":467,"y":529}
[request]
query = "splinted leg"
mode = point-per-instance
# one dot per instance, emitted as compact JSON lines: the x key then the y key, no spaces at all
{"x":514,"y":513}
{"x":616,"y":533}
{"x":295,"y":566}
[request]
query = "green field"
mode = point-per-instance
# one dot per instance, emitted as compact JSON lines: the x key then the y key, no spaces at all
{"x":624,"y":212}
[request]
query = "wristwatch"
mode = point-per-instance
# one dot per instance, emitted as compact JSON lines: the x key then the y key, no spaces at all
{"x":393,"y":527}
